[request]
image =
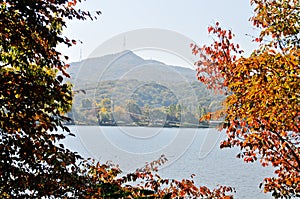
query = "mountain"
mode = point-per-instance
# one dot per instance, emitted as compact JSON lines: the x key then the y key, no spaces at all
{"x":131,"y":84}
{"x":127,"y":65}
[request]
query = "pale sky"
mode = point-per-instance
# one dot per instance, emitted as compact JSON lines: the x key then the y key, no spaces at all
{"x":189,"y":18}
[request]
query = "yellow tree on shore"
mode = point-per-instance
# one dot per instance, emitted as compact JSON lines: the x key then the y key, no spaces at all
{"x":262,"y":106}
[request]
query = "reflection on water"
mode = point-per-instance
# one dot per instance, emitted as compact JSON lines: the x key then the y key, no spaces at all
{"x":189,"y":151}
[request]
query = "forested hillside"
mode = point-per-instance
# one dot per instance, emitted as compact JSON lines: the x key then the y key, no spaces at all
{"x":124,"y":89}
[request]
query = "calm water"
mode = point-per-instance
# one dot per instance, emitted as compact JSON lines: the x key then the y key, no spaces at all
{"x":189,"y":151}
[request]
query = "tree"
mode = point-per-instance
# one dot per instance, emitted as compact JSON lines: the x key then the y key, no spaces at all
{"x":133,"y":110}
{"x":34,"y":99}
{"x":172,"y":113}
{"x":262,"y":105}
{"x":119,"y":115}
{"x":157,"y":116}
{"x":87,"y":104}
{"x":107,"y":104}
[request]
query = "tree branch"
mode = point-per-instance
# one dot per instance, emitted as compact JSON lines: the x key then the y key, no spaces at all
{"x":293,"y":153}
{"x":4,"y":65}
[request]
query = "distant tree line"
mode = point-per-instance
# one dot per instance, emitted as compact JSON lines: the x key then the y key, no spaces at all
{"x":136,"y":103}
{"x":106,"y":113}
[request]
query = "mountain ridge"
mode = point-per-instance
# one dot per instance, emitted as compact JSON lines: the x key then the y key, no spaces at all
{"x":128,"y":65}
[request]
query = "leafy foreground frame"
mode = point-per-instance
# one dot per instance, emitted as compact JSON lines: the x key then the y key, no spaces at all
{"x":33,"y":102}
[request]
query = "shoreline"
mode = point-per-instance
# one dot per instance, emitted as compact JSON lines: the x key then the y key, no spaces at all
{"x":201,"y":126}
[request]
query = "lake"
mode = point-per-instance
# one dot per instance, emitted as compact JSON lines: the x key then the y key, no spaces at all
{"x":189,"y":151}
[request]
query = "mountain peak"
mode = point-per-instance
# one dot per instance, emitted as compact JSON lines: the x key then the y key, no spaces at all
{"x":128,"y":65}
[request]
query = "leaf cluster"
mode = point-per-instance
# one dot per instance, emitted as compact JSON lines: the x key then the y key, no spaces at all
{"x":146,"y":183}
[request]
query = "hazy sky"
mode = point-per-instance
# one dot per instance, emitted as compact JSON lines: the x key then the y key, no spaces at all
{"x":189,"y":18}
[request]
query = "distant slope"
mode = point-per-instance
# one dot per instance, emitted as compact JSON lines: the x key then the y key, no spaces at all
{"x":127,"y":65}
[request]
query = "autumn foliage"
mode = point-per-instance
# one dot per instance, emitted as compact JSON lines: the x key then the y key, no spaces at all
{"x":262,"y":107}
{"x":108,"y":181}
{"x":34,"y":99}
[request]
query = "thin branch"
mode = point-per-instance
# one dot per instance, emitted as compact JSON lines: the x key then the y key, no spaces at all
{"x":293,"y":153}
{"x":2,"y":66}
